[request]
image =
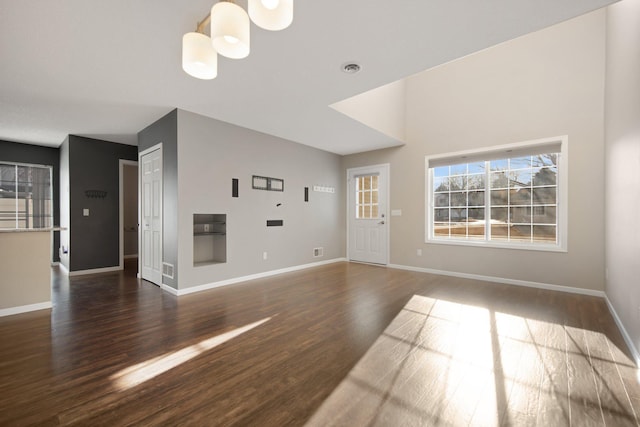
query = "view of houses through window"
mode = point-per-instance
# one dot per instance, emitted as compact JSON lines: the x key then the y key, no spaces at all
{"x":508,"y":200}
{"x":25,"y":196}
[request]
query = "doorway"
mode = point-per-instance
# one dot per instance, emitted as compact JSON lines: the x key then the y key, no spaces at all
{"x":150,"y":235}
{"x":128,"y":213}
{"x":367,"y":222}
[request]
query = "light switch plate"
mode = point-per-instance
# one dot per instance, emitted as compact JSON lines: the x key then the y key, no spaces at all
{"x":85,"y":212}
{"x":396,"y":212}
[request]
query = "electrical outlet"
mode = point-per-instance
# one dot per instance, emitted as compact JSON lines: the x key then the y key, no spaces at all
{"x":318,"y":252}
{"x":264,"y":256}
{"x":419,"y":252}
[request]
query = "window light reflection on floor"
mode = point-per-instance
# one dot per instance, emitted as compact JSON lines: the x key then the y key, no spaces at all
{"x":137,"y":374}
{"x":445,"y":363}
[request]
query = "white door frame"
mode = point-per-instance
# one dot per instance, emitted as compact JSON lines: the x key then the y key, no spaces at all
{"x":151,"y":149}
{"x":386,"y":167}
{"x":124,"y":163}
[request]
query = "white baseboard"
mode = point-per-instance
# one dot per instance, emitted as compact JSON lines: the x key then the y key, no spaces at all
{"x":167,"y":288}
{"x":25,"y":308}
{"x":95,"y":270}
{"x":55,"y":263}
{"x":213,"y":285}
{"x":515,"y":282}
{"x":623,"y":331}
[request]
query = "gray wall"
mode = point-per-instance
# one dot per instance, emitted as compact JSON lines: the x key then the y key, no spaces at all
{"x":94,"y":165}
{"x":210,"y":154}
{"x":165,"y":131}
{"x":544,"y":84}
{"x":622,"y":124}
{"x":34,"y":154}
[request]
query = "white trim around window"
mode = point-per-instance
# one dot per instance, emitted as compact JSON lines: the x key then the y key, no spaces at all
{"x":557,"y":144}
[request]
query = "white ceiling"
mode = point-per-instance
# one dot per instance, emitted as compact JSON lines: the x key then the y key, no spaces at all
{"x":107,"y":69}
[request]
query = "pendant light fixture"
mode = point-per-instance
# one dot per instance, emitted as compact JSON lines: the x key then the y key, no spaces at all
{"x":199,"y":58}
{"x":230,"y":30}
{"x":273,"y":15}
{"x":229,"y":26}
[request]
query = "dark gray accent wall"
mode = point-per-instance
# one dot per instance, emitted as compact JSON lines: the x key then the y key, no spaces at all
{"x":38,"y":155}
{"x":94,"y":165}
{"x":165,"y":131}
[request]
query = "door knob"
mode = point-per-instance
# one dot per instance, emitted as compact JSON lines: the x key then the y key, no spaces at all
{"x":381,"y":222}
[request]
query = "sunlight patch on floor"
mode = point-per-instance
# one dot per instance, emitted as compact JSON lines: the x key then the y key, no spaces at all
{"x":445,"y":363}
{"x":137,"y":374}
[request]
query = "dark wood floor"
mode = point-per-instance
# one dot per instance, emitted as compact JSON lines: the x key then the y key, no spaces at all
{"x":351,"y":343}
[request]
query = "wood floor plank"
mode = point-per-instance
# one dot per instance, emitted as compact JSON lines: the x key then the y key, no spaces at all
{"x":344,"y":344}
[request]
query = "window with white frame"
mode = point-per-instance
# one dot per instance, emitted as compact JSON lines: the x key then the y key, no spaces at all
{"x":507,"y":196}
{"x":25,"y":196}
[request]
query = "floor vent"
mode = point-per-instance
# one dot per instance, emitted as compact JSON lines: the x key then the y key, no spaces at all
{"x":167,"y":270}
{"x":318,"y":252}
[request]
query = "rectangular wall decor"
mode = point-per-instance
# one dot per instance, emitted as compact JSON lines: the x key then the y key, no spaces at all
{"x":234,"y":187}
{"x":266,"y":183}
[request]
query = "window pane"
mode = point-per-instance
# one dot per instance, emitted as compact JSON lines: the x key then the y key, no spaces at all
{"x":374,"y":182}
{"x":367,"y":211}
{"x":521,"y":233}
{"x":441,"y":229}
{"x":477,"y":167}
{"x":476,"y":214}
{"x":458,"y":183}
{"x":520,"y":162}
{"x":441,"y":199}
{"x":458,"y":214}
{"x":476,"y":230}
{"x":521,"y":196}
{"x":441,"y":183}
{"x":476,"y":198}
{"x":459,"y":169}
{"x":521,"y":215}
{"x":500,"y":215}
{"x":459,"y":199}
{"x":499,"y":232}
{"x":544,"y":233}
{"x":499,"y":165}
{"x":367,"y":183}
{"x":374,"y":197}
{"x":441,"y":171}
{"x":476,"y":182}
{"x":544,"y":196}
{"x":367,"y":197}
{"x":441,"y":215}
{"x":520,"y":178}
{"x":545,"y":176}
{"x":544,"y":215}
{"x":499,"y":180}
{"x":499,"y":197}
{"x":374,"y":211}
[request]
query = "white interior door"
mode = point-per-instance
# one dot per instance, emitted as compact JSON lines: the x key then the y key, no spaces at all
{"x":151,"y":216}
{"x":368,"y":218}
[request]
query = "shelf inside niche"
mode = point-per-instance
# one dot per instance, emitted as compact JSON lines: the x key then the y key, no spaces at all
{"x":209,"y":239}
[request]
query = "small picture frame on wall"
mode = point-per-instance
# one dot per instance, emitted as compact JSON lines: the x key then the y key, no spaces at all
{"x":266,"y":183}
{"x":259,"y":183}
{"x":276,"y":184}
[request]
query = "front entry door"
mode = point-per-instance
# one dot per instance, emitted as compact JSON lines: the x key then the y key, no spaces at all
{"x":151,"y":216}
{"x":368,"y":218}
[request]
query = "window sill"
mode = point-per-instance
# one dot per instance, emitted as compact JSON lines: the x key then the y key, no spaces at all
{"x":498,"y":245}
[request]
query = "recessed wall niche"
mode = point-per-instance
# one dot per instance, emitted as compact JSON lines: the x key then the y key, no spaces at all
{"x":209,"y":239}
